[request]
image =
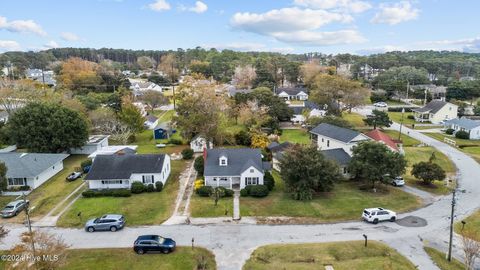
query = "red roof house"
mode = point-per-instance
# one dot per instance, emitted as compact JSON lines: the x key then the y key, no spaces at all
{"x":381,"y":137}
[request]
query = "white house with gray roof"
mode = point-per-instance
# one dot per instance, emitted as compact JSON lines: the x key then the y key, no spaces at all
{"x":31,"y":169}
{"x":327,"y":136}
{"x":465,"y":124}
{"x":436,"y":112}
{"x":292,"y":93}
{"x":234,"y":167}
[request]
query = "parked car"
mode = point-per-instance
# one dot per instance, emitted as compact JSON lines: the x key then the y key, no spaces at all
{"x":13,"y":208}
{"x":74,"y":176}
{"x":153,"y":243}
{"x":398,"y":181}
{"x":375,"y":215}
{"x":108,"y":222}
{"x":380,"y":104}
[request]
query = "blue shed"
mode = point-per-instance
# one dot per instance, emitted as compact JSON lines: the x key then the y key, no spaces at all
{"x":161,"y":131}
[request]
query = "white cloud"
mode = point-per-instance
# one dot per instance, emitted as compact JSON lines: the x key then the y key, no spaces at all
{"x":354,"y":6}
{"x":68,"y":36}
{"x":249,"y":46}
{"x":9,"y":45}
{"x":297,"y":26}
{"x":381,"y":49}
{"x":51,"y":45}
{"x":159,"y":5}
{"x":21,"y":26}
{"x":199,"y":7}
{"x":396,"y":13}
{"x":471,"y":45}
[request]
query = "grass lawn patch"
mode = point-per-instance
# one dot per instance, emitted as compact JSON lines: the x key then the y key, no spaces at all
{"x":147,"y":145}
{"x":392,"y":102}
{"x":139,"y":209}
{"x":205,"y":207}
{"x":4,"y":200}
{"x":345,"y":202}
{"x":397,"y":117}
{"x":355,"y":119}
{"x":407,"y":140}
{"x":418,"y":154}
{"x":439,"y":259}
{"x":300,"y":136}
{"x":341,"y":255}
{"x":470,"y":147}
{"x":472,"y":223}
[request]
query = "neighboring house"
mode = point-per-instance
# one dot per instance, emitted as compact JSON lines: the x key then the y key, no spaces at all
{"x":367,"y":72}
{"x":234,"y":167}
{"x":139,"y":87}
{"x":293,"y":93}
{"x":465,"y":124}
{"x":120,"y":171}
{"x":233,"y":90}
{"x":162,"y":131}
{"x":94,"y":143}
{"x":436,"y":112}
{"x":115,"y":150}
{"x":314,"y":109}
{"x":31,"y":169}
{"x":437,"y":91}
{"x":151,"y":121}
{"x":199,"y":143}
{"x":327,"y":136}
{"x":141,"y":108}
{"x":381,"y":137}
{"x":3,"y":117}
{"x":340,"y":157}
{"x":277,"y":150}
{"x":37,"y":75}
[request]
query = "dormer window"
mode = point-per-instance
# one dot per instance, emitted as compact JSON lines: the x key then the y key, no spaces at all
{"x":223,"y":161}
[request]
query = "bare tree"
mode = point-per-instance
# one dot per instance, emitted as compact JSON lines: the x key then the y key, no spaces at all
{"x":244,"y":76}
{"x":153,"y":99}
{"x":471,"y":248}
{"x":104,"y":121}
{"x":3,"y":233}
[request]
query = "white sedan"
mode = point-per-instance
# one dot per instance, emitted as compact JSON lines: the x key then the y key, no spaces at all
{"x":375,"y":215}
{"x":380,"y":104}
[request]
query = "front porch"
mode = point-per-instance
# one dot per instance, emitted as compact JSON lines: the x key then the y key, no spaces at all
{"x":421,"y":117}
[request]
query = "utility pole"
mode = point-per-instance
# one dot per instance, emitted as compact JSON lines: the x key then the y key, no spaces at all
{"x":401,"y":124}
{"x":425,"y":99}
{"x":29,"y":224}
{"x":173,"y":85}
{"x":449,"y":256}
{"x":408,"y":88}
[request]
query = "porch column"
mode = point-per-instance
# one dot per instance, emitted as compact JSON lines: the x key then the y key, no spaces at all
{"x":231,"y":182}
{"x":218,"y":181}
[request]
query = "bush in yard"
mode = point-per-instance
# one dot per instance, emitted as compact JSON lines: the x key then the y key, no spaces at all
{"x":410,"y":117}
{"x":150,"y":188}
{"x":428,"y":172}
{"x":227,"y":192}
{"x":243,"y":138}
{"x":205,"y":191}
{"x":158,"y":186}
{"x":244,"y":192}
{"x":121,"y":193}
{"x":268,"y":180}
{"x":449,"y":131}
{"x":258,"y":191}
{"x":88,"y":193}
{"x":198,"y":164}
{"x":24,"y":188}
{"x":378,"y":97}
{"x":199,"y":183}
{"x":137,"y":187}
{"x":86,"y":163}
{"x":248,"y":188}
{"x":462,"y":135}
{"x":175,"y":141}
{"x":187,"y":153}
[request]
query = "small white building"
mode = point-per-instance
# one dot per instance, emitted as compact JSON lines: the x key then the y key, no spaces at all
{"x":151,"y":121}
{"x":327,"y":136}
{"x":31,"y":169}
{"x":294,"y":93}
{"x":94,"y":143}
{"x":472,"y":127}
{"x":120,"y":171}
{"x":314,"y":110}
{"x":436,"y":112}
{"x":199,"y":143}
{"x":115,"y":149}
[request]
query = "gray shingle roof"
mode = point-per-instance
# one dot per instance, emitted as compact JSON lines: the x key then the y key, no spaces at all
{"x":433,"y":106}
{"x":338,"y":133}
{"x":122,"y":166}
{"x":239,"y":159}
{"x":151,"y":118}
{"x":338,"y":155}
{"x":292,"y":91}
{"x":464,"y":123}
{"x":27,"y":165}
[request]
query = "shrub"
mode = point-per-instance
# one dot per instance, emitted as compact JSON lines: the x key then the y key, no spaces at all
{"x":248,"y":188}
{"x":449,"y":131}
{"x":199,"y":165}
{"x":399,"y":109}
{"x":175,"y":141}
{"x":24,"y":188}
{"x":258,"y":191}
{"x":462,"y":135}
{"x":243,"y":138}
{"x":137,"y":187}
{"x":88,"y":193}
{"x":268,"y":180}
{"x":104,"y":193}
{"x":121,"y":193}
{"x":158,"y":186}
{"x":243,"y":192}
{"x":204,"y":191}
{"x":378,"y":97}
{"x":187,"y":153}
{"x":86,"y":163}
{"x":228,"y":193}
{"x":411,"y":117}
{"x":150,"y":188}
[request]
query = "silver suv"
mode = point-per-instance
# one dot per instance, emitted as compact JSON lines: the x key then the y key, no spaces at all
{"x":13,"y":208}
{"x":108,"y":222}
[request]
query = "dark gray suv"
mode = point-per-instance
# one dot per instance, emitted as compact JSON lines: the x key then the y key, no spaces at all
{"x":108,"y":222}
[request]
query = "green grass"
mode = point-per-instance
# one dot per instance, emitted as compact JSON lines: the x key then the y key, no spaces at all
{"x":355,"y":119}
{"x":4,"y":200}
{"x":139,"y":209}
{"x":470,"y":147}
{"x":407,"y":140}
{"x":205,"y":207}
{"x":341,"y":255}
{"x":392,"y":102}
{"x":300,"y":136}
{"x":419,"y":154}
{"x":472,"y":223}
{"x":439,"y":259}
{"x":397,"y":117}
{"x":345,"y":202}
{"x":147,"y":145}
{"x":126,"y":259}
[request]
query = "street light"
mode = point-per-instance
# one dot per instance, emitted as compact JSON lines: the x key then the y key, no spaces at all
{"x":401,"y":124}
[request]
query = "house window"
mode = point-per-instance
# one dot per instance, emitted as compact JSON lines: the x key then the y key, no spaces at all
{"x":251,"y":170}
{"x":112,"y":182}
{"x":322,"y":139}
{"x":214,"y":179}
{"x":147,"y":179}
{"x":223,"y":162}
{"x":251,"y":181}
{"x":328,"y":143}
{"x":17,"y":181}
{"x":223,"y":179}
{"x":345,"y":171}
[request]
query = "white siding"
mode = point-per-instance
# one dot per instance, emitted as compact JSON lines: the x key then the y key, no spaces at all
{"x":326,"y":143}
{"x":448,"y":112}
{"x":199,"y":144}
{"x":251,"y":172}
{"x":45,"y":175}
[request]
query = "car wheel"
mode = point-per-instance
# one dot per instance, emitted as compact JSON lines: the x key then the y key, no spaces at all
{"x":375,"y":221}
{"x":394,"y":184}
{"x":392,"y":219}
{"x":113,"y":229}
{"x":166,"y":251}
{"x":140,"y":251}
{"x":91,"y":229}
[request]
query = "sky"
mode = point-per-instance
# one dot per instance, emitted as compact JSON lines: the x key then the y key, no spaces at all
{"x":287,"y":26}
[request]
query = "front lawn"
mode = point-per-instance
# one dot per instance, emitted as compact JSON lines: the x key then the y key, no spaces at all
{"x":205,"y":207}
{"x":397,"y":117}
{"x":139,"y":209}
{"x":300,"y":136}
{"x":406,"y":140}
{"x":340,"y":255}
{"x":147,"y":145}
{"x":472,"y":223}
{"x":4,"y":200}
{"x":355,"y":119}
{"x":470,"y":147}
{"x":125,"y":258}
{"x":441,"y":262}
{"x":345,"y":202}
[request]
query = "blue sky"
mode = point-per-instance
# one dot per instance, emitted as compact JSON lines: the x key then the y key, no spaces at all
{"x":327,"y":26}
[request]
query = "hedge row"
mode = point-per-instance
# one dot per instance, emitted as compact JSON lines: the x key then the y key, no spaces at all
{"x":255,"y":191}
{"x":107,"y":193}
{"x":399,"y":109}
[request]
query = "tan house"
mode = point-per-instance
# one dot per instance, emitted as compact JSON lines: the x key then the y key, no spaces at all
{"x":436,"y":112}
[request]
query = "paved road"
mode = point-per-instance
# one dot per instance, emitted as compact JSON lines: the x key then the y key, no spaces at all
{"x":232,"y":244}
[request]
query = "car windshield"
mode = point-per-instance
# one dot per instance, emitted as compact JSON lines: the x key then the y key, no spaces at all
{"x":366,"y":212}
{"x":96,"y":220}
{"x":161,"y":240}
{"x":9,"y":207}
